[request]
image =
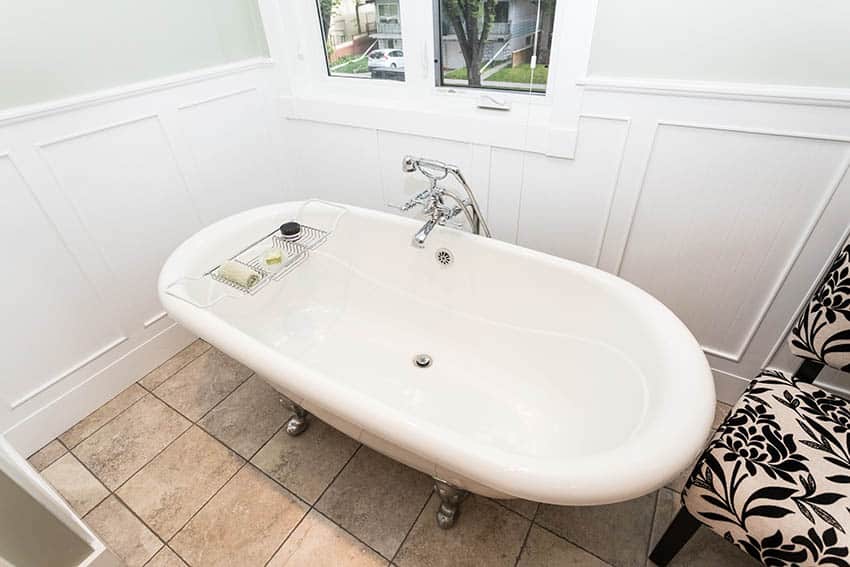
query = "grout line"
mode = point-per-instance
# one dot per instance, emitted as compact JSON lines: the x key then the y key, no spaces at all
{"x":198,"y":511}
{"x":527,"y":533}
{"x":107,"y":422}
{"x":153,"y":458}
{"x":346,"y":530}
{"x":229,"y":448}
{"x":412,"y":525}
{"x":144,"y":523}
{"x":648,"y":550}
{"x":221,"y":401}
{"x":131,"y":405}
{"x":167,"y":378}
{"x":311,"y":507}
{"x":192,"y":424}
{"x":589,"y":552}
{"x":166,"y":546}
{"x":500,"y":503}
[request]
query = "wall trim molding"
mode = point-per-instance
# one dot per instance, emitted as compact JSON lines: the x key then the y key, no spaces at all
{"x":753,"y":92}
{"x":42,"y":109}
{"x":484,"y":127}
{"x":76,"y":367}
{"x":34,"y":431}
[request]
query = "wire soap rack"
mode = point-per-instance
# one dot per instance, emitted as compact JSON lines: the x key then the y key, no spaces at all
{"x":208,"y":287}
{"x":294,"y":252}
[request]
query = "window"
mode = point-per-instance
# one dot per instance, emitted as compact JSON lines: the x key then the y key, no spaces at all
{"x":363,"y":38}
{"x":500,"y":45}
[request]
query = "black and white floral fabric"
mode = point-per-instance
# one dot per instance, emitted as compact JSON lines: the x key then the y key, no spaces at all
{"x":775,"y":478}
{"x":822,"y":332}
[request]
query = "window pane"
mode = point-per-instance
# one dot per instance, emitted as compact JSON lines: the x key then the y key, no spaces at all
{"x":363,"y":38}
{"x":492,"y":44}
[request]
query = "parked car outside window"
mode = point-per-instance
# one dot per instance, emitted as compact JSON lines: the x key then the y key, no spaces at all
{"x":386,"y":62}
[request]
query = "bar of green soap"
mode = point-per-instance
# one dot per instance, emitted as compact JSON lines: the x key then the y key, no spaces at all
{"x":273,"y":256}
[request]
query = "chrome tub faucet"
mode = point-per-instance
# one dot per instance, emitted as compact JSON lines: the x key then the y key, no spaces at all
{"x":440,"y":203}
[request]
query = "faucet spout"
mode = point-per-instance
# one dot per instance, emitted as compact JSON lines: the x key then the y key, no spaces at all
{"x":422,"y":234}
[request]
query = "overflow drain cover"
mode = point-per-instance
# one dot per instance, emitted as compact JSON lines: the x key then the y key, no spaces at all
{"x":422,"y":360}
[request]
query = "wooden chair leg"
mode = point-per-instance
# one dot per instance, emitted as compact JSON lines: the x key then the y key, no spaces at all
{"x":680,"y":530}
{"x":808,"y":371}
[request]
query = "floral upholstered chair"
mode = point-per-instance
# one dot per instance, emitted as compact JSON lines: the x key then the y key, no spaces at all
{"x":775,"y":478}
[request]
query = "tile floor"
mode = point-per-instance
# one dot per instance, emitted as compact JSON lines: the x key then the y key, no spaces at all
{"x":190,"y":466}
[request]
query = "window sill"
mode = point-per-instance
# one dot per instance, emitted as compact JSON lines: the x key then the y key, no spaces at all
{"x":451,"y":116}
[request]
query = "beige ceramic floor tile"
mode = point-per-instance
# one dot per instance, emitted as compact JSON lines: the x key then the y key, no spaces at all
{"x":203,"y":383}
{"x":122,"y":532}
{"x":101,"y":415}
{"x":179,"y":481}
{"x":306,"y":464}
{"x":120,"y":448}
{"x":167,"y":369}
{"x":76,"y":485}
{"x":678,"y":483}
{"x":45,"y":456}
{"x":524,"y":508}
{"x":544,"y":549}
{"x":165,"y":558}
{"x":617,"y":533}
{"x":484,"y":534}
{"x":248,"y":417}
{"x":705,"y":549}
{"x":318,"y":542}
{"x":721,"y":410}
{"x":243,"y":524}
{"x":376,"y":499}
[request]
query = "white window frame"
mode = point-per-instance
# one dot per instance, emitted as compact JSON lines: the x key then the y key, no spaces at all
{"x":544,"y":123}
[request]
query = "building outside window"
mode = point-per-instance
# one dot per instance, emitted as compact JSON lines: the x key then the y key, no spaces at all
{"x":363,"y":38}
{"x":497,"y":43}
{"x":483,"y":43}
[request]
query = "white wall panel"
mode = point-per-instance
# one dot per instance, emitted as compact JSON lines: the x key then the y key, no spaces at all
{"x":42,"y":282}
{"x":104,"y":189}
{"x":565,"y":203}
{"x":234,"y":165}
{"x":125,"y":185}
{"x":335,"y":163}
{"x":720,"y":221}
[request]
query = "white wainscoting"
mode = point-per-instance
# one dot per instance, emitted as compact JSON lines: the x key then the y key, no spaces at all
{"x":725,"y":208}
{"x":97,"y":192}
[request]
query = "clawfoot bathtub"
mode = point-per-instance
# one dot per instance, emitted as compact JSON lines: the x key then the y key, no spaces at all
{"x":490,"y":367}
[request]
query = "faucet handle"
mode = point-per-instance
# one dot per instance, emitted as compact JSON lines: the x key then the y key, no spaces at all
{"x":422,"y":198}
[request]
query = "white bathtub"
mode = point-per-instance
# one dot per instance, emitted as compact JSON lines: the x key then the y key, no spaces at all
{"x":551,"y":380}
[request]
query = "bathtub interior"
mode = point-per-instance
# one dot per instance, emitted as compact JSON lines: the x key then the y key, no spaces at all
{"x":572,"y":367}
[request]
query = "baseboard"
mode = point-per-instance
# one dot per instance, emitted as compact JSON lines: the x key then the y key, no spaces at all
{"x":48,"y":422}
{"x":729,"y":387}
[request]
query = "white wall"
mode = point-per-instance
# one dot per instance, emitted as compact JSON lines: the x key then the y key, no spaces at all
{"x":96,"y":195}
{"x":723,"y":202}
{"x":52,"y":49}
{"x":756,"y":41}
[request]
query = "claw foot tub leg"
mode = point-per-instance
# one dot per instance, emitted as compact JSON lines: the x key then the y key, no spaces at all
{"x":298,"y":423}
{"x":450,"y":499}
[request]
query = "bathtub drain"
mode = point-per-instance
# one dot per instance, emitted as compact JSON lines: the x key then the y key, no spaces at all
{"x":422,"y":360}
